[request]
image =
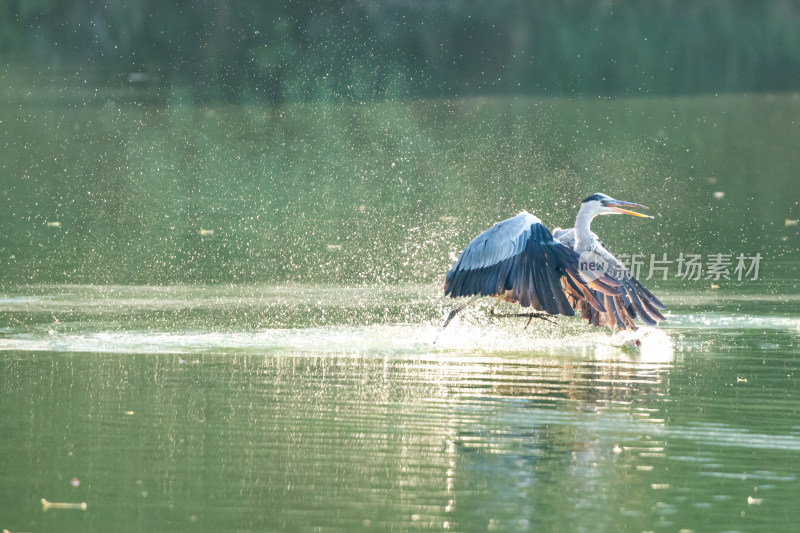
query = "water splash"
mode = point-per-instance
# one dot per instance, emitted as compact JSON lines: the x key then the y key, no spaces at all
{"x":413,"y":340}
{"x":653,"y":344}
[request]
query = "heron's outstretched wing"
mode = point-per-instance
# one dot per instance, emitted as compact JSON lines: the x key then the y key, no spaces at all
{"x":518,"y":259}
{"x":634,"y":301}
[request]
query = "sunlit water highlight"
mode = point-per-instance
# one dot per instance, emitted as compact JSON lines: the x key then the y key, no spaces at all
{"x":254,"y":408}
{"x":409,"y":341}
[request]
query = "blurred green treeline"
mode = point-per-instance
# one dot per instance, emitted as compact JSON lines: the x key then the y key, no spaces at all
{"x":248,"y":50}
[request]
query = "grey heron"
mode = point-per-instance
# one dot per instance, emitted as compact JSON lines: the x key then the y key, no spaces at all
{"x":520,"y":261}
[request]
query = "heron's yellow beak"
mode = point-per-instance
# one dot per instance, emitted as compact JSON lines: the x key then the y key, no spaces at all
{"x":626,"y":212}
{"x":616,"y":209}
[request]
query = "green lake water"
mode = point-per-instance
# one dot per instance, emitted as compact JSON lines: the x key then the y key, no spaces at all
{"x":222,"y":318}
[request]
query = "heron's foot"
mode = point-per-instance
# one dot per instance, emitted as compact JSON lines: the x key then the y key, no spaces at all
{"x":453,"y":313}
{"x":540,"y":315}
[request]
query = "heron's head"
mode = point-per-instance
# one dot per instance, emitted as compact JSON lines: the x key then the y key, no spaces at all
{"x":601,"y":204}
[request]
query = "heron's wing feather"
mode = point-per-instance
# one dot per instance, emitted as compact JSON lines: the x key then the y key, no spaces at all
{"x":502,"y":241}
{"x":632,"y":300}
{"x":622,"y":297}
{"x":641,"y":300}
{"x":519,"y":260}
{"x":565,"y":237}
{"x":604,"y":284}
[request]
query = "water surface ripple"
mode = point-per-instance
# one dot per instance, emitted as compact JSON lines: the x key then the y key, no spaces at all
{"x":240,"y":409}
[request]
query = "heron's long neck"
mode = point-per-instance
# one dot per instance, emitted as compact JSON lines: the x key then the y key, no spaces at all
{"x":583,"y":233}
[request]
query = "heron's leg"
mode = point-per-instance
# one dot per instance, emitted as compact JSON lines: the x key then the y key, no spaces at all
{"x":453,"y":313}
{"x":540,"y":315}
{"x":458,"y":309}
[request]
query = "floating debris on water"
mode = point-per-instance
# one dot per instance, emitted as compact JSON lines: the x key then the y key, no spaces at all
{"x":46,"y":505}
{"x":712,"y":180}
{"x":719,"y":195}
{"x":75,"y":482}
{"x":54,"y":224}
{"x":754,"y":501}
{"x":333,"y":246}
{"x":790,"y":222}
{"x":206,"y":232}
